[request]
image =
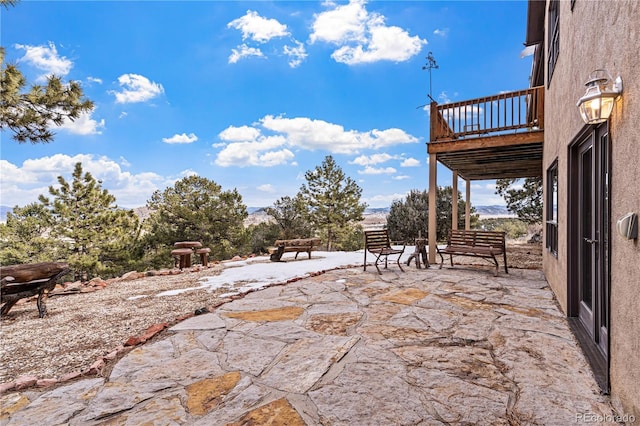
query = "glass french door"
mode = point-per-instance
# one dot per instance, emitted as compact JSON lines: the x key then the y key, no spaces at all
{"x":592,"y":239}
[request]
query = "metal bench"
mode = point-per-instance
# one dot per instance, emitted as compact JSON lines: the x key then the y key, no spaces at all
{"x":475,"y":243}
{"x":377,"y":243}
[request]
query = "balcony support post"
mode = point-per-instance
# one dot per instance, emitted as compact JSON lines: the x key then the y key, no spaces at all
{"x":467,"y":206}
{"x":433,"y":224}
{"x":454,"y":201}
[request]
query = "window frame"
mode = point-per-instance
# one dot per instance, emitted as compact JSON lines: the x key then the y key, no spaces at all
{"x":553,"y":34}
{"x":551,"y":209}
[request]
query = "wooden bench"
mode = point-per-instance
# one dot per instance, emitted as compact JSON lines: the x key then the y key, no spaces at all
{"x":22,"y":281}
{"x":377,"y":243}
{"x":475,"y":243}
{"x":289,"y":246}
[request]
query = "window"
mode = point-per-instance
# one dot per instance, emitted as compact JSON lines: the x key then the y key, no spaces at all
{"x":551,"y":228}
{"x":553,"y":34}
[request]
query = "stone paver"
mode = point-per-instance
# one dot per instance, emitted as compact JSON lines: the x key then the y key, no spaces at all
{"x":347,"y":348}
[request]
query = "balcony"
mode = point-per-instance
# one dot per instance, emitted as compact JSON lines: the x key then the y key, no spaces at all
{"x":499,"y":136}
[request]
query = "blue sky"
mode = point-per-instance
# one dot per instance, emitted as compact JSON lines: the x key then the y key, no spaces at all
{"x":253,"y":94}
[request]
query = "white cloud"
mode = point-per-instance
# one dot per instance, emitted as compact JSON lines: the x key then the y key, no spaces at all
{"x":257,"y":28}
{"x":94,"y":80}
{"x":183,"y":138}
{"x":366,"y":160}
{"x":383,"y":200}
{"x":463,"y":114}
{"x":401,"y":177}
{"x":442,"y":32}
{"x":244,"y":51}
{"x":83,"y":125}
{"x":363,"y":37}
{"x":377,"y":171}
{"x":443,"y":97}
{"x":45,"y":58}
{"x":243,"y":154}
{"x":391,"y":137}
{"x":22,"y":184}
{"x":311,"y":134}
{"x":186,"y":173}
{"x":239,"y":134}
{"x":260,"y":152}
{"x":342,"y":24}
{"x":249,"y":146}
{"x":410,"y":162}
{"x":136,"y":88}
{"x":267,"y":187}
{"x":385,"y":44}
{"x":296,"y":54}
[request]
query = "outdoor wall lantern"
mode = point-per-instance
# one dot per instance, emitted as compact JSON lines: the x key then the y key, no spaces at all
{"x":596,"y":104}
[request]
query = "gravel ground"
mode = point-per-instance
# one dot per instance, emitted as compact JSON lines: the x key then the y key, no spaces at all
{"x":79,"y":328}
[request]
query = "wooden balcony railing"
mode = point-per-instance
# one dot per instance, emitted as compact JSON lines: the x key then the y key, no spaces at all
{"x":522,"y":110}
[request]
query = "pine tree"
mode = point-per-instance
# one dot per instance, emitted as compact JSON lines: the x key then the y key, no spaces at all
{"x":290,"y":215}
{"x":24,"y":238}
{"x":96,"y":236}
{"x":409,"y":218}
{"x":525,"y":202}
{"x":196,"y":209}
{"x":30,"y":114}
{"x":333,"y":200}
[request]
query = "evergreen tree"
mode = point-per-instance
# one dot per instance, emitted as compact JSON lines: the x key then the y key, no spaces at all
{"x":444,"y":198}
{"x":196,"y":209}
{"x":409,"y":218}
{"x":24,"y":237}
{"x":30,"y":114}
{"x":333,"y":200}
{"x":262,"y":236}
{"x":525,"y":202}
{"x":96,"y":237}
{"x":291,"y":216}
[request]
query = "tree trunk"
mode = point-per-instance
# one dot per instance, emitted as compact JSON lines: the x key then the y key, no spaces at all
{"x":22,"y":281}
{"x":33,"y":271}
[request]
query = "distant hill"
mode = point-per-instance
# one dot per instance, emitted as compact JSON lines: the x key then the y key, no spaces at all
{"x":260,"y":216}
{"x":494,"y":211}
{"x":142,"y":212}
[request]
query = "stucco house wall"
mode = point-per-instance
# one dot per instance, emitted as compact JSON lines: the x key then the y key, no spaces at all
{"x":602,"y":34}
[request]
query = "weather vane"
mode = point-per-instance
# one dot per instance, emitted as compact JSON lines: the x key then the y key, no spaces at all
{"x":431,"y":65}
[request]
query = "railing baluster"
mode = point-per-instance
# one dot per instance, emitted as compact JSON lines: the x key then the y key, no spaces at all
{"x":484,"y":115}
{"x":517,"y":110}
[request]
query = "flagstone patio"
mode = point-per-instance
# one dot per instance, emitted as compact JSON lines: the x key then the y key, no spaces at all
{"x":348,"y":347}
